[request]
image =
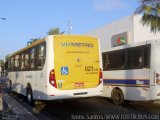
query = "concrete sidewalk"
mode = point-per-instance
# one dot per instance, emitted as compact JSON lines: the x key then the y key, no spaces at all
{"x":17,"y":108}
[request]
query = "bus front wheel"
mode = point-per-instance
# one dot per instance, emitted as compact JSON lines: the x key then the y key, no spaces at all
{"x":30,"y":99}
{"x":117,"y":97}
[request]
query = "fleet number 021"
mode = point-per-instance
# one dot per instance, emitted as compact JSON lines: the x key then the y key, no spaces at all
{"x":90,"y":68}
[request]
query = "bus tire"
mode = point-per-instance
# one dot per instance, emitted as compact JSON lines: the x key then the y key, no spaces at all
{"x":117,"y":97}
{"x":30,"y":99}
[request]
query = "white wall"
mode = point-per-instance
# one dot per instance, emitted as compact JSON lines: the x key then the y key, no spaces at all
{"x":106,"y":32}
{"x":130,"y":24}
{"x":142,"y":33}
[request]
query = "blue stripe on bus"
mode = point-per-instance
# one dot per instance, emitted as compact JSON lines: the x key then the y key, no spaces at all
{"x":128,"y":81}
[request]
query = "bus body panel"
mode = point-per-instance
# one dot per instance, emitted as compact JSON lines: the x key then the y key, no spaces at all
{"x":77,"y":63}
{"x":130,"y":91}
{"x":155,"y":68}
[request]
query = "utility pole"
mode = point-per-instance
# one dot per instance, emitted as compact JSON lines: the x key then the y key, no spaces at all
{"x":69,"y":26}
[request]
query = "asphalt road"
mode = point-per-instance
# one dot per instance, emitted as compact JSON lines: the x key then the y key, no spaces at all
{"x":94,"y":108}
{"x":91,"y":108}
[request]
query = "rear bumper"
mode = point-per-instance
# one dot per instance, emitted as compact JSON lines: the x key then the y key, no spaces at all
{"x":78,"y":93}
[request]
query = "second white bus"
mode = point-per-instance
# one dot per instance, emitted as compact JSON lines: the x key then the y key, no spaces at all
{"x":132,"y":72}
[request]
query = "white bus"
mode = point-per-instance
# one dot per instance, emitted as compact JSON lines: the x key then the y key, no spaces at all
{"x":57,"y":67}
{"x":132,"y":72}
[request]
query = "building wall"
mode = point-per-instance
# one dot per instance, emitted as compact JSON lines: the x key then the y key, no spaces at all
{"x":131,"y":25}
{"x":142,"y":33}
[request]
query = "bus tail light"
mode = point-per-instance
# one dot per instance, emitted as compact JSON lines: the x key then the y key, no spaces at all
{"x":52,"y":78}
{"x":157,"y":78}
{"x":100,"y":76}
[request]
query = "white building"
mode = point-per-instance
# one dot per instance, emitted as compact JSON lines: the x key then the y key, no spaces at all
{"x":129,"y":28}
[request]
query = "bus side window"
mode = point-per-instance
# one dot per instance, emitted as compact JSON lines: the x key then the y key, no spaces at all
{"x":41,"y":56}
{"x":32,"y":58}
{"x":26,"y":62}
{"x":114,"y":60}
{"x":104,"y":61}
{"x":134,"y":58}
{"x":17,"y":62}
{"x":22,"y":62}
{"x":7,"y":64}
{"x":12,"y":63}
{"x":147,"y":57}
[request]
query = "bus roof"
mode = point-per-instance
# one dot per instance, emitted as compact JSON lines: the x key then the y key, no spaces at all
{"x":42,"y":40}
{"x":71,"y":35}
{"x":29,"y":46}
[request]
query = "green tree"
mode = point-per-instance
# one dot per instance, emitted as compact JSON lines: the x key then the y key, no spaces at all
{"x":151,"y":14}
{"x":32,"y":40}
{"x":1,"y":65}
{"x":7,"y":57}
{"x":54,"y":31}
{"x":1,"y":62}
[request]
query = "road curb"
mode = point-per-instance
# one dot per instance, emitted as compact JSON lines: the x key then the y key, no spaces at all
{"x":17,"y":108}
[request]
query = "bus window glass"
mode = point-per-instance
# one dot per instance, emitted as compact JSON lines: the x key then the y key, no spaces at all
{"x":114,"y":60}
{"x":22,"y":62}
{"x":104,"y":61}
{"x":12,"y":63}
{"x":8,"y":64}
{"x":134,"y":58}
{"x":41,"y":56}
{"x":26,"y":61}
{"x":147,"y":57}
{"x":129,"y":58}
{"x":32,"y":58}
{"x":17,"y":62}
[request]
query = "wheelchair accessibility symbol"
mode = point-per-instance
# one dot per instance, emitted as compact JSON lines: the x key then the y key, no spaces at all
{"x":64,"y":70}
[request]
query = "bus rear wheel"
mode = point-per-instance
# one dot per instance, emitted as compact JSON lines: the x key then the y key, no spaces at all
{"x":117,"y":97}
{"x":30,"y":99}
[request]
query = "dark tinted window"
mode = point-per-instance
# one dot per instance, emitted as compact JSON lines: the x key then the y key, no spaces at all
{"x":114,"y":60}
{"x":41,"y":56}
{"x":32,"y":53}
{"x":134,"y":57}
{"x":30,"y":59}
{"x":130,"y":58}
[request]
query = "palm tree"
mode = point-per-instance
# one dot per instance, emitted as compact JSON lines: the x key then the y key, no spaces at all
{"x":54,"y":31}
{"x":151,"y":14}
{"x":32,"y":40}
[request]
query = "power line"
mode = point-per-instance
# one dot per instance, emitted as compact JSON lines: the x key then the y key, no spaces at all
{"x":69,"y":26}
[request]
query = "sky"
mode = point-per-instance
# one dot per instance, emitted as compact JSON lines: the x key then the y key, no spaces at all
{"x":27,"y":19}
